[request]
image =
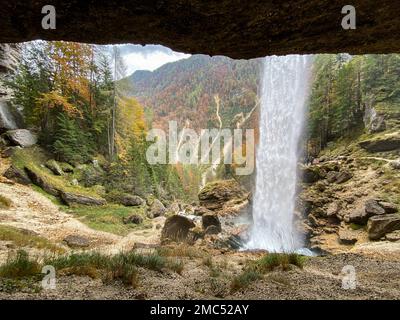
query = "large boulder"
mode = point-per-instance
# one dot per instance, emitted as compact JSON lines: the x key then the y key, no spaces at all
{"x":383,"y":143}
{"x":311,"y":174}
{"x":343,"y":176}
{"x":22,"y":137}
{"x":388,"y":207}
{"x":373,"y":208}
{"x":41,"y":181}
{"x":76,"y":241}
{"x":71,"y":198}
{"x":216,"y":194}
{"x":378,"y":226}
{"x":210,"y":219}
{"x":130,"y":200}
{"x":17,"y":175}
{"x":176,"y":228}
{"x":358,"y":217}
{"x":157,"y":209}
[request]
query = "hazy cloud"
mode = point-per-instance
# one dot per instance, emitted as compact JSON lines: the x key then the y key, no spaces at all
{"x":148,"y":57}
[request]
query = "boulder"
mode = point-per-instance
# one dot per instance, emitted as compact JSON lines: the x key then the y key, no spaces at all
{"x":216,"y":194}
{"x":388,"y":207}
{"x":347,"y":237}
{"x":54,"y":167}
{"x":74,"y":198}
{"x":358,"y":217}
{"x":381,"y":144}
{"x":331,"y":176}
{"x":199,"y":211}
{"x":212,"y":230}
{"x":157,"y":209}
{"x":134,"y":218}
{"x":174,"y":208}
{"x":75,"y":241}
{"x":343,"y":176}
{"x":333,"y":209}
{"x":9,"y":151}
{"x":378,"y":226}
{"x":395,"y":164}
{"x":210,"y":219}
{"x":17,"y":175}
{"x":41,"y":181}
{"x":373,"y":208}
{"x":393,"y":236}
{"x":378,"y":124}
{"x":22,"y":137}
{"x":130,"y":200}
{"x":176,"y":228}
{"x":311,"y":174}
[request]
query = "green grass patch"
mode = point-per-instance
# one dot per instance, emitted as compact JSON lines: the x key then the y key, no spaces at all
{"x":244,"y":279}
{"x":20,"y":266}
{"x":268,"y":263}
{"x":34,"y":159}
{"x":355,"y":226}
{"x":5,"y":203}
{"x":24,"y":239}
{"x":123,"y":266}
{"x":109,"y":218}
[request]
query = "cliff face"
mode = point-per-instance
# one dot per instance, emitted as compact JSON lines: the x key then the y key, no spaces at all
{"x":238,"y":29}
{"x":9,"y":56}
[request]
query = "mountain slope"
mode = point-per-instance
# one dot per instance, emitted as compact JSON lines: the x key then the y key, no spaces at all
{"x":186,"y":90}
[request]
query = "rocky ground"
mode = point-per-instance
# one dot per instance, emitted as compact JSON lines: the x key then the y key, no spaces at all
{"x":348,"y":212}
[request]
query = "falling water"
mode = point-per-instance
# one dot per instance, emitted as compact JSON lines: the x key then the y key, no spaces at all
{"x":6,"y":118}
{"x":283,"y":98}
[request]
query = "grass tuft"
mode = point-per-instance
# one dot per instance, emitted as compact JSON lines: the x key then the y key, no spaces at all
{"x":20,"y":266}
{"x":5,"y":203}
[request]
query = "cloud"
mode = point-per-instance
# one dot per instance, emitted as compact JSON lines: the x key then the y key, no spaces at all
{"x":149,"y":57}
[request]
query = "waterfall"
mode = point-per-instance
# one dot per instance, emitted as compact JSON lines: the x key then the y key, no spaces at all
{"x":283,"y":99}
{"x":6,"y":118}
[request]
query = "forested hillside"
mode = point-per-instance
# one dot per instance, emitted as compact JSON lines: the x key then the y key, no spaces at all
{"x":185,"y":90}
{"x":350,"y":93}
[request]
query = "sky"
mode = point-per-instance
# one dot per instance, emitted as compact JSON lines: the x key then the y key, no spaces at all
{"x":148,"y":57}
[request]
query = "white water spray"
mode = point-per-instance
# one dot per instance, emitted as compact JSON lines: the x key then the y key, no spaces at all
{"x":283,"y":99}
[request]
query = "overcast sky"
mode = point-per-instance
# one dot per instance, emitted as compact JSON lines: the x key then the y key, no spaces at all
{"x":149,"y":57}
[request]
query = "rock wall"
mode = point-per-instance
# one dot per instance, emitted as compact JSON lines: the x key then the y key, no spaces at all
{"x":9,"y":57}
{"x":238,"y":29}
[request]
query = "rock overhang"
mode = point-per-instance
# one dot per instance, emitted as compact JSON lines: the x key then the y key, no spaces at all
{"x":238,"y":29}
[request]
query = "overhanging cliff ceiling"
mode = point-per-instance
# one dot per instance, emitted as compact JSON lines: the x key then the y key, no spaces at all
{"x":235,"y":28}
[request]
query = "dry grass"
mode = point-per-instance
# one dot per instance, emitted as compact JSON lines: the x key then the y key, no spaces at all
{"x":181,"y":250}
{"x":5,"y":203}
{"x":22,"y":238}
